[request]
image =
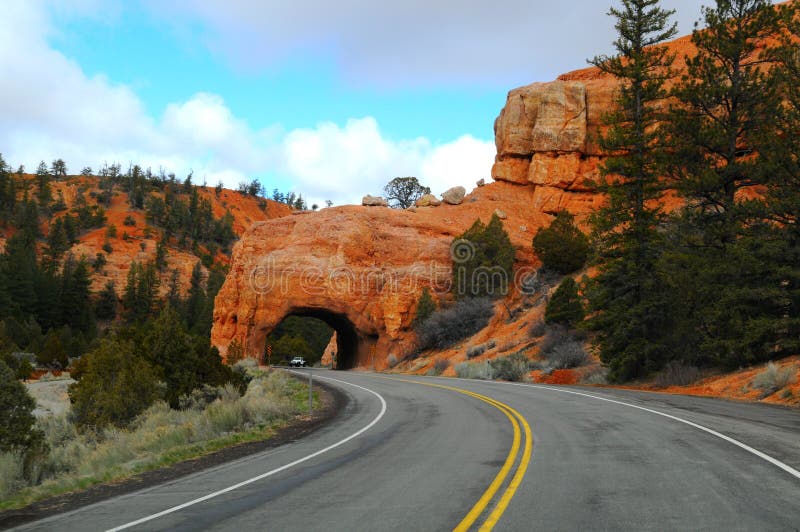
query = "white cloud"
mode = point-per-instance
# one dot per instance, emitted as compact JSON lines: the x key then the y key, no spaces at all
{"x":414,"y":42}
{"x":344,"y":163}
{"x":50,"y":108}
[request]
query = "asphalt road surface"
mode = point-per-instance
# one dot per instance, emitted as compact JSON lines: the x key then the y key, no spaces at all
{"x":414,"y":453}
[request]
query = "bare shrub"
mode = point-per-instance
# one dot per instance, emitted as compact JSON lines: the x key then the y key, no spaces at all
{"x":476,"y":351}
{"x":11,"y":473}
{"x":676,"y":373}
{"x":513,"y":367}
{"x":540,"y":282}
{"x":597,"y":376}
{"x":439,"y":365}
{"x":562,"y":348}
{"x":554,"y":335}
{"x":447,"y":326}
{"x":475,"y":370}
{"x":774,"y":378}
{"x":569,"y":354}
{"x":537,"y":330}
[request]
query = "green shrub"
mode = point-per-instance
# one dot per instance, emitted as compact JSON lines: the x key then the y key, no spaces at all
{"x":446,"y":326}
{"x":17,"y":432}
{"x":483,"y":259}
{"x":115,"y":387}
{"x":513,"y":367}
{"x":129,"y":221}
{"x":425,"y":307}
{"x":475,"y":370}
{"x":562,"y":246}
{"x":565,"y":307}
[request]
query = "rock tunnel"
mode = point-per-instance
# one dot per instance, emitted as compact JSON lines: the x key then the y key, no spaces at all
{"x":348,"y":342}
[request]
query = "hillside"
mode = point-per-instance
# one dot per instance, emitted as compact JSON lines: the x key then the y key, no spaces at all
{"x":137,"y":238}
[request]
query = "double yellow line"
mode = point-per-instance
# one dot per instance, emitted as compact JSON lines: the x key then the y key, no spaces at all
{"x":516,"y":421}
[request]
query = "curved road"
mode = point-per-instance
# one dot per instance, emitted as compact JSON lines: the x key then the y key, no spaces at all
{"x":416,"y":453}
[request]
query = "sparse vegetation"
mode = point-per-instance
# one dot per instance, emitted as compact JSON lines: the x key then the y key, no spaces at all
{"x":773,"y":378}
{"x":512,"y":368}
{"x":447,"y":326}
{"x":158,"y":437}
{"x":475,"y":370}
{"x":478,"y":350}
{"x":562,"y":349}
{"x":677,"y":373}
{"x":439,"y":365}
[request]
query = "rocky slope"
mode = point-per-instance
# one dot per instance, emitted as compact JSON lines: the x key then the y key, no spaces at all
{"x":137,"y":243}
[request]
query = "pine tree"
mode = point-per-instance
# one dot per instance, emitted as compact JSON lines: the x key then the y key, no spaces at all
{"x":106,"y":306}
{"x":17,"y":422}
{"x":623,"y":295}
{"x":727,"y":106}
{"x":561,"y":246}
{"x":195,"y":301}
{"x":565,"y":307}
{"x":44,"y":194}
{"x":483,"y":259}
{"x":425,"y":307}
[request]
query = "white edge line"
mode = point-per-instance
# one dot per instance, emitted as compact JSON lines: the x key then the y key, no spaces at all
{"x":774,"y":461}
{"x":268,"y":473}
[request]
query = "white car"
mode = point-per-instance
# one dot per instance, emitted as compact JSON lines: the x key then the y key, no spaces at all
{"x":298,"y":362}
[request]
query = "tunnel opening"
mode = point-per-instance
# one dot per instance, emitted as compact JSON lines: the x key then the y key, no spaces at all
{"x":306,"y":322}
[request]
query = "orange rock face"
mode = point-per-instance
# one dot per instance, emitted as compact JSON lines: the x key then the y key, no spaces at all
{"x":362,"y":269}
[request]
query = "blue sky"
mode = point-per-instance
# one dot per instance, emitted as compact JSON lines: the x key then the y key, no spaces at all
{"x":328,"y":99}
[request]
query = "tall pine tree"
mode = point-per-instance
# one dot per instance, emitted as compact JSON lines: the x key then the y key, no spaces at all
{"x":720,"y":261}
{"x":624,"y":296}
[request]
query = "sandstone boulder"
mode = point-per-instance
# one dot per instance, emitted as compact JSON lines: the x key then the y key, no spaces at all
{"x":500,"y":214}
{"x":428,"y":200}
{"x":374,"y":201}
{"x":455,"y":195}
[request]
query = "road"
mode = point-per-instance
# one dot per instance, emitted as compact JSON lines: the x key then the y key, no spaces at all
{"x":421,"y":453}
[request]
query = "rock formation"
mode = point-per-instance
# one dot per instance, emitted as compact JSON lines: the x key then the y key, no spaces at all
{"x":374,"y":201}
{"x":454,"y":196}
{"x":362,"y":270}
{"x":428,"y":200}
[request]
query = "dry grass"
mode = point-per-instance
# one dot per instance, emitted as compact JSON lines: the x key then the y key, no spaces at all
{"x":774,"y":378}
{"x":158,"y":437}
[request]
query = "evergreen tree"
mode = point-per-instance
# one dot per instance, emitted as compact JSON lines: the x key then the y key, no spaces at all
{"x":195,"y":301}
{"x":43,"y":194}
{"x":116,"y":386}
{"x":75,"y":296}
{"x":562,"y":247}
{"x":425,"y":306}
{"x":17,"y":422}
{"x":726,"y":100}
{"x":565,"y":307}
{"x":141,"y":290}
{"x":727,"y":105}
{"x":402,"y":192}
{"x":106,"y":306}
{"x":624,"y":297}
{"x":483,"y":259}
{"x":57,"y":244}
